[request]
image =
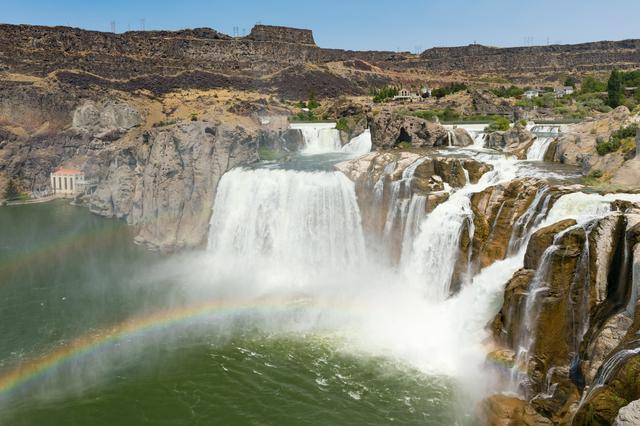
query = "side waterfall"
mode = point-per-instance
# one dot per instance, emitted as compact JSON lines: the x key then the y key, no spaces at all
{"x":539,"y":148}
{"x":319,"y":138}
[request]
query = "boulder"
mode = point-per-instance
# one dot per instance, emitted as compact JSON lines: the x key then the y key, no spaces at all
{"x":389,"y":129}
{"x":629,"y":415}
{"x":515,"y":141}
{"x":504,"y":410}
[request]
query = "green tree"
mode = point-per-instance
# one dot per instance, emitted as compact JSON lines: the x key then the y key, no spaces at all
{"x":615,"y":89}
{"x":11,"y":191}
{"x":591,"y":85}
{"x":570,"y":81}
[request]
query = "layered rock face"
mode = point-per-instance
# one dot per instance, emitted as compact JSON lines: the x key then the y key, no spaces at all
{"x":566,"y":319}
{"x":165,"y":181}
{"x":539,"y":59}
{"x":270,"y":59}
{"x":281,"y":34}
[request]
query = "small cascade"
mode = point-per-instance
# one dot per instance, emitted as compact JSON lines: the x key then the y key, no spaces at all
{"x":359,"y":145}
{"x":530,"y":220}
{"x":319,"y":138}
{"x":402,"y":209}
{"x":579,"y":293}
{"x":286,"y":217}
{"x":538,"y":148}
{"x":478,"y":139}
{"x":606,"y":372}
{"x":524,"y":338}
{"x":451,"y":138}
{"x":635,"y":283}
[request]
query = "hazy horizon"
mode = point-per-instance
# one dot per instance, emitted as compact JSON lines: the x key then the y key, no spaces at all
{"x":358,"y":25}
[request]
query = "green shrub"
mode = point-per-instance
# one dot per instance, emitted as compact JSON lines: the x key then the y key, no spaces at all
{"x":449,"y":114}
{"x":312,"y":103}
{"x":384,"y":93}
{"x":499,"y":124}
{"x":342,"y":124}
{"x":592,"y":85}
{"x":448,"y":90}
{"x":616,"y":140}
{"x":510,"y":92}
{"x":194,"y":116}
{"x":597,"y":174}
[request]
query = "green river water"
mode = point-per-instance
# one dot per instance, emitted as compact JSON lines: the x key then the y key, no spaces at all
{"x":65,"y":273}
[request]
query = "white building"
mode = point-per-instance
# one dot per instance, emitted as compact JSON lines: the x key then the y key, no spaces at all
{"x":405,"y":94}
{"x":563,"y":91}
{"x":67,"y":181}
{"x":532,"y":93}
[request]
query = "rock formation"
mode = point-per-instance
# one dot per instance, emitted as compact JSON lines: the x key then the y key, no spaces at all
{"x":165,"y":181}
{"x":565,"y":317}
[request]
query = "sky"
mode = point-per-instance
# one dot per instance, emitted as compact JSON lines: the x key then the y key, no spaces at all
{"x":407,"y":25}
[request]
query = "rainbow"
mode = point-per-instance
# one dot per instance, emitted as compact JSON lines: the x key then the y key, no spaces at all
{"x":88,"y":344}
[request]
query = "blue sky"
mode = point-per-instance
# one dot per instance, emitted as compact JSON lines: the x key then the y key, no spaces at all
{"x":357,"y":24}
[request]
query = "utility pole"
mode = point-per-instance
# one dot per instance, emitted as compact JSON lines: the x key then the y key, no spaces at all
{"x":113,"y":27}
{"x":142,"y":24}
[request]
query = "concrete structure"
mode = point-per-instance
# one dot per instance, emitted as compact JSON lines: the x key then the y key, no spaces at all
{"x":67,"y":182}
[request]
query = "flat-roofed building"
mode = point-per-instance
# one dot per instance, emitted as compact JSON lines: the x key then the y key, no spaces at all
{"x":67,"y":181}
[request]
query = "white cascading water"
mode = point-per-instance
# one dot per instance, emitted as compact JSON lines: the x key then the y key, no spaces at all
{"x":305,"y":228}
{"x":323,"y":138}
{"x":297,"y":218}
{"x":538,"y":148}
{"x":359,"y":145}
{"x":319,"y":138}
{"x":635,"y":287}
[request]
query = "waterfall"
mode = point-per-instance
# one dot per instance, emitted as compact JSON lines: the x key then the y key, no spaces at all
{"x":359,"y":145}
{"x":524,"y":336}
{"x":536,"y":212}
{"x":539,"y":148}
{"x":323,"y":138}
{"x":436,"y":248}
{"x":635,"y":283}
{"x":606,"y":371}
{"x":288,"y":217}
{"x":319,"y":138}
